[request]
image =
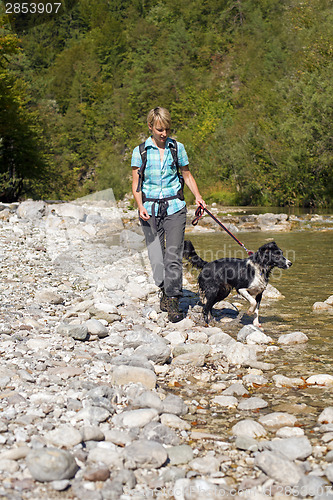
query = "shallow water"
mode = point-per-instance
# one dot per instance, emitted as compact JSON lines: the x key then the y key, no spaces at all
{"x":309,"y":280}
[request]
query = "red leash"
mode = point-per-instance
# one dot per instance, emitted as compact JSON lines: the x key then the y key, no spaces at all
{"x":199,"y":213}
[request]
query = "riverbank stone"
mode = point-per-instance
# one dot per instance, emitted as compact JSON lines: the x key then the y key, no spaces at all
{"x":145,"y":453}
{"x":249,"y":428}
{"x":51,"y":464}
{"x":279,"y":468}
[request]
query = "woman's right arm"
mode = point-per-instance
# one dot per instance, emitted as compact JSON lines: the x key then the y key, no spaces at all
{"x":138,"y":195}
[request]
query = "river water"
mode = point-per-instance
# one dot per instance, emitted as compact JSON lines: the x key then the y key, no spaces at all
{"x":309,"y":280}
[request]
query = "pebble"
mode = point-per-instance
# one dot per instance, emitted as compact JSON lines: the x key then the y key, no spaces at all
{"x":276,"y":420}
{"x":293,"y":338}
{"x":51,"y":464}
{"x":181,"y":454}
{"x":278,"y":468}
{"x":249,"y":428}
{"x":103,"y":398}
{"x":145,"y":453}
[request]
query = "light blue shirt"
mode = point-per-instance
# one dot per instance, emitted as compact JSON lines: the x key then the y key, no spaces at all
{"x":161,"y":179}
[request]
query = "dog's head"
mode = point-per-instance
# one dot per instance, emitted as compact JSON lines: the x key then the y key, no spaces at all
{"x":270,"y":255}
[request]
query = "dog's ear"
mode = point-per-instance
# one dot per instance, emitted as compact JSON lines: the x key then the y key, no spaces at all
{"x":265,"y":252}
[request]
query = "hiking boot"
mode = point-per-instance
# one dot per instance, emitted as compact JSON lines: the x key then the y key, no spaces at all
{"x":163,"y":300}
{"x":174,"y":314}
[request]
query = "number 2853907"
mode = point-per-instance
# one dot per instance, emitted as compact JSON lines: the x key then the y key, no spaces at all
{"x":32,"y":8}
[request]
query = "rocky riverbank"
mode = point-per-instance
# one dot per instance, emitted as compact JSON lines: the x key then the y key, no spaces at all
{"x":102,"y":398}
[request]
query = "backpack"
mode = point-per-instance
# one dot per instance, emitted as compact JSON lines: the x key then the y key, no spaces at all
{"x":173,"y":149}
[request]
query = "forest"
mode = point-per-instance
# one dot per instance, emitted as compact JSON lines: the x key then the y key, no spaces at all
{"x":248,"y":83}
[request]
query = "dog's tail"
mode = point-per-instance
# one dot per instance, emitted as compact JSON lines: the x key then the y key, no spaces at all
{"x":191,"y":255}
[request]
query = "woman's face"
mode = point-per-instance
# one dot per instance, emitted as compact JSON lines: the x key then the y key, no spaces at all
{"x":160,"y":133}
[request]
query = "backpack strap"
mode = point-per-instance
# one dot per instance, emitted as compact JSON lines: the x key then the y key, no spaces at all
{"x":174,"y":152}
{"x":143,"y":153}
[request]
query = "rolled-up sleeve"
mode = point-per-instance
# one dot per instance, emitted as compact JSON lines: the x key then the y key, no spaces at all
{"x":182,"y":155}
{"x":136,"y":158}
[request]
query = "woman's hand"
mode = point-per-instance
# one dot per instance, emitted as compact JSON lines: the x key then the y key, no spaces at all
{"x":200,"y":202}
{"x":143,"y":213}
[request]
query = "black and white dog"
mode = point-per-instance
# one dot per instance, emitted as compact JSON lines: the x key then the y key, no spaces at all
{"x":248,"y":276}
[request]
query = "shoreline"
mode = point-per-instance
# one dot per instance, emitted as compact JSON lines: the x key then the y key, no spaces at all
{"x":91,"y":367}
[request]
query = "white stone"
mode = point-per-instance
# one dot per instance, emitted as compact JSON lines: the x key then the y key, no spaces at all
{"x":276,"y":420}
{"x":250,"y":428}
{"x":320,"y":379}
{"x":174,"y":422}
{"x":287,"y":432}
{"x":326,"y":416}
{"x":293,"y":338}
{"x":226,"y":401}
{"x":64,"y":436}
{"x":135,"y":418}
{"x":282,"y":381}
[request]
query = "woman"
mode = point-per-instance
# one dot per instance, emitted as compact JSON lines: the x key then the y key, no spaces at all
{"x":162,"y":209}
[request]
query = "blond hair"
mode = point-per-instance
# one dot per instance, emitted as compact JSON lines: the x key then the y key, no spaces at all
{"x":159,"y":114}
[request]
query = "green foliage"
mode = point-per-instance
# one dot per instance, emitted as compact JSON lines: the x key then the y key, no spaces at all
{"x":248,"y":83}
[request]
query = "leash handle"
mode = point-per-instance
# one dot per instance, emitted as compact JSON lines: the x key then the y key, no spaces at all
{"x":199,"y":213}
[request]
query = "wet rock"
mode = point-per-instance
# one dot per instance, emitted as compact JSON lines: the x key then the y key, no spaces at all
{"x":320,"y":380}
{"x":253,"y":403}
{"x":253,"y":335}
{"x":293,"y":338}
{"x":226,"y":401}
{"x":326,"y":416}
{"x":254,"y":379}
{"x":283,"y":381}
{"x":51,"y":464}
{"x":250,"y":428}
{"x":276,"y":420}
{"x":239,"y":354}
{"x":235,"y":389}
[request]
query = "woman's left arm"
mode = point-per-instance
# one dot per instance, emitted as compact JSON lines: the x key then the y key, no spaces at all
{"x":192,"y":185}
